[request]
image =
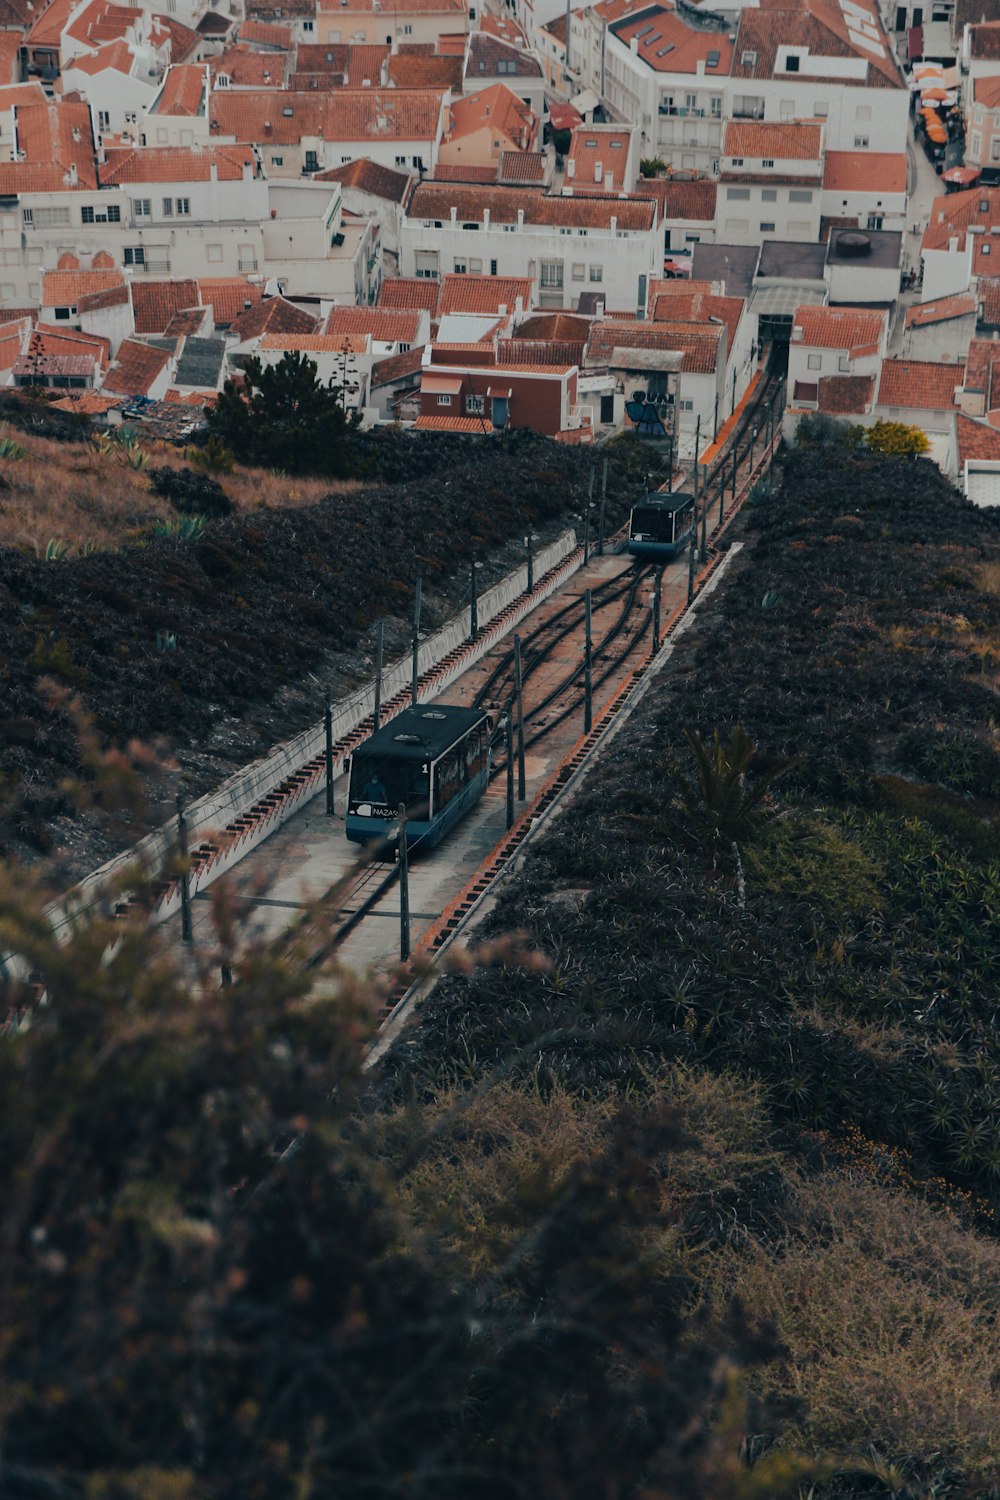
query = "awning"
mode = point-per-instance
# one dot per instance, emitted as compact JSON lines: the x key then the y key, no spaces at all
{"x":498,"y":390}
{"x":585,"y":101}
{"x":441,"y":385}
{"x":564,"y":117}
{"x":962,"y":176}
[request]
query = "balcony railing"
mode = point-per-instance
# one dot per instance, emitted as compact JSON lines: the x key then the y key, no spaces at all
{"x":746,"y":113}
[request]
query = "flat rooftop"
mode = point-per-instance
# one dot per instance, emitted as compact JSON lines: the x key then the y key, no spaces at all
{"x":735,"y":265}
{"x":885,"y":252}
{"x":791,"y":260}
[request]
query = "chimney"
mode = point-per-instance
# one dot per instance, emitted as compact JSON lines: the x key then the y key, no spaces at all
{"x":953,"y":244}
{"x":571,"y":169}
{"x":614,"y":223}
{"x":502,"y":310}
{"x":598,"y":172}
{"x":73,"y":177}
{"x":520,"y":218}
{"x":609,"y":181}
{"x":633,"y":46}
{"x":486,"y":218}
{"x":519,"y":305}
{"x":454,"y":216}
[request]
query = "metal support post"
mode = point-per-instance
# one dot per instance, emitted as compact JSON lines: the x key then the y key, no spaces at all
{"x":510,"y":767}
{"x":529,"y":544}
{"x":586,"y":524}
{"x":722,"y":495}
{"x":604,"y":501}
{"x":328,"y":732}
{"x":715,"y":420}
{"x":182,"y":850}
{"x":656,"y":609}
{"x":736,"y":445}
{"x":670,"y":460}
{"x":519,"y":699}
{"x":474,"y":607}
{"x":588,"y":656}
{"x":753,"y":439}
{"x":691,"y":552}
{"x":404,"y":886}
{"x":415,"y":672}
{"x":704,"y":527}
{"x":378,"y":676}
{"x":732,"y":404}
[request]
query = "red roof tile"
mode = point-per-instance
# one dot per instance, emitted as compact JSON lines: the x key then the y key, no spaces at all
{"x":668,"y":45}
{"x":178,"y":164}
{"x":183,"y":40}
{"x":155,"y":302}
{"x":919,"y":383}
{"x":865,"y":172}
{"x":112,"y":296}
{"x":183,"y":90}
{"x":367,"y":176}
{"x":409,"y":71}
{"x":248,"y":69}
{"x":941,"y":311}
{"x":71,"y":341}
{"x":136,"y":367}
{"x":988,"y":292}
{"x":693,"y":201}
{"x":822,"y":27}
{"x":273,"y":315}
{"x":699,"y":307}
{"x":398,"y":367}
{"x":497,"y":109}
{"x":266,"y":33}
{"x":65,"y":288}
{"x":227,"y":296}
{"x":699,"y":347}
{"x":484,"y":294}
{"x":855,"y":329}
{"x":188,"y":323}
{"x":433,"y":201}
{"x":955,"y":214}
{"x":515,"y":167}
{"x":317,"y":343}
{"x":410,"y":291}
{"x":386,"y":325}
{"x":845,"y":395}
{"x":58,"y":146}
{"x":344,"y":115}
{"x":777,"y":140}
{"x":489,"y":57}
{"x":454,"y":424}
{"x":597,"y":151}
{"x":976,"y":440}
{"x":86,"y":403}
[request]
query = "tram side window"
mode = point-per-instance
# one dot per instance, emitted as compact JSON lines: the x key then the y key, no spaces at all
{"x":475,"y":751}
{"x":448,"y":778}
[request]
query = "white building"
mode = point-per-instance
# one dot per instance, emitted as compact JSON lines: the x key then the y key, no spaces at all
{"x":570,"y":245}
{"x":833,"y":341}
{"x":962,"y":240}
{"x":869,"y":189}
{"x":770,"y":181}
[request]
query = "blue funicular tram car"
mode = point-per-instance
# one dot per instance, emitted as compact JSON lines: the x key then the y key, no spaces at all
{"x":434,"y":759}
{"x":660,"y":525}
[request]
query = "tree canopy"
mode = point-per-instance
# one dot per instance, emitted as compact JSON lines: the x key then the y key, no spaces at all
{"x":283,"y":417}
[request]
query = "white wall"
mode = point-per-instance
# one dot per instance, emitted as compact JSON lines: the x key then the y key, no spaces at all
{"x":937,"y":341}
{"x":861,"y":203}
{"x":858,"y":284}
{"x":946,"y":272}
{"x":113,"y":323}
{"x":740,"y":220}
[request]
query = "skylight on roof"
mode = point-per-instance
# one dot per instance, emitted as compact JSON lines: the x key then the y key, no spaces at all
{"x":651,"y":39}
{"x":866,"y":42}
{"x":664,"y":50}
{"x":642,"y":31}
{"x":712,"y":60}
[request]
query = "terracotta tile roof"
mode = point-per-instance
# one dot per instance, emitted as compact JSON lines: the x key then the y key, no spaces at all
{"x":972,"y":12}
{"x":694,"y":201}
{"x":561,"y":326}
{"x":397,"y":367}
{"x":497,"y":109}
{"x":954,"y":214}
{"x":821,"y":26}
{"x":155,"y":302}
{"x":595,"y":151}
{"x":855,"y":329}
{"x":368,"y":177}
{"x":72,"y":341}
{"x":435,"y":201}
{"x":668,"y":45}
{"x":56,"y":140}
{"x":273,"y":315}
{"x":986,"y":91}
{"x":112,"y":296}
{"x":183,"y":40}
{"x":226,"y":296}
{"x":409,"y":71}
{"x":673,"y":287}
{"x":317,"y":343}
{"x":919,"y":383}
{"x":135,"y":368}
{"x":483,"y":294}
{"x":503,"y":26}
{"x":845,"y":395}
{"x":183,"y":90}
{"x":65,"y":288}
{"x":942,"y":311}
{"x":517,"y":167}
{"x":454,"y":424}
{"x":117,"y":57}
{"x":189,"y":398}
{"x":48,"y":27}
{"x":988,"y":292}
{"x":188,"y":323}
{"x":86,"y":403}
{"x":341,"y":116}
{"x":984,"y":41}
{"x":486,"y":53}
{"x":465,"y":172}
{"x":976,"y":440}
{"x":548,"y":352}
{"x":18,"y":14}
{"x":13,"y":314}
{"x":784,"y":140}
{"x":449,"y":8}
{"x":178,"y":164}
{"x":700,"y":348}
{"x":21,"y":93}
{"x":385,"y":325}
{"x":410,"y":291}
{"x":266,"y":34}
{"x":38,"y":363}
{"x":699,"y":307}
{"x":865,"y":172}
{"x":248,"y":69}
{"x":102,"y":21}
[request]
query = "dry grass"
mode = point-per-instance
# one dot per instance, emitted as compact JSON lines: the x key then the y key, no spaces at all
{"x":70,"y":492}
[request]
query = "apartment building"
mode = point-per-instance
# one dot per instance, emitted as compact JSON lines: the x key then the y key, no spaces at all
{"x":482,"y":126}
{"x":961,"y":241}
{"x":770,"y":182}
{"x":833,"y":341}
{"x":868,"y":190}
{"x":392,"y":22}
{"x":569,"y":245}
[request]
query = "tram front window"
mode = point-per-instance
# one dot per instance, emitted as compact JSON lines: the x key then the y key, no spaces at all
{"x":378,"y":786}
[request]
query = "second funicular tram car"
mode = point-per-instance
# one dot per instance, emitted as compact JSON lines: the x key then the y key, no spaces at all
{"x":434,"y":759}
{"x":661,"y":525}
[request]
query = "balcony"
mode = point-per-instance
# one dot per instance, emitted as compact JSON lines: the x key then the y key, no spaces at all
{"x":748,"y":112}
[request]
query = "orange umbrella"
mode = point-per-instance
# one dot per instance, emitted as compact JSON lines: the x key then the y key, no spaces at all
{"x":934,"y":94}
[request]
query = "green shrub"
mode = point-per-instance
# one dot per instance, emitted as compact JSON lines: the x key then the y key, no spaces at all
{"x":804,"y":856}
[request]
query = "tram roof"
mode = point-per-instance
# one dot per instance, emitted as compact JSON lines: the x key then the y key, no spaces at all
{"x":422,"y":733}
{"x":659,"y":500}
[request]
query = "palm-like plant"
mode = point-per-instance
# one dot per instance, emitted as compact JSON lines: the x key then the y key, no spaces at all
{"x":725,"y":809}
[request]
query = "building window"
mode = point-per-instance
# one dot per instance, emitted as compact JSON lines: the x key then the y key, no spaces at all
{"x":821,"y":109}
{"x":843,"y":364}
{"x":716,"y":107}
{"x":213,"y":253}
{"x":62,"y":314}
{"x":103,"y":214}
{"x":103,"y":120}
{"x":183,"y":206}
{"x":28,"y":215}
{"x":814,"y":361}
{"x":767,"y":228}
{"x":737,"y":161}
{"x":800,"y":195}
{"x":444,"y":401}
{"x":168,"y":207}
{"x":493,"y":268}
{"x":768,"y":163}
{"x":791,"y":64}
{"x":312,"y":161}
{"x":142,"y":208}
{"x":748,"y":59}
{"x":308,"y":25}
{"x":475,"y":406}
{"x":769,"y":195}
{"x":860,"y":143}
{"x":400,"y":161}
{"x":134,"y":255}
{"x":460,"y":267}
{"x":579,"y":272}
{"x":277,"y":161}
{"x":50,"y":218}
{"x":246,"y":258}
{"x":874,"y":221}
{"x":597,"y":273}
{"x":740,"y":195}
{"x":552,"y":274}
{"x":686,"y":405}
